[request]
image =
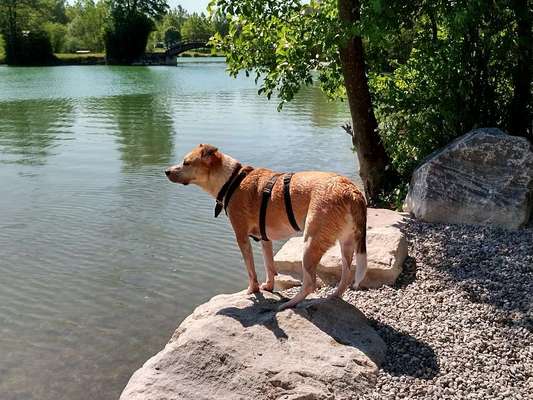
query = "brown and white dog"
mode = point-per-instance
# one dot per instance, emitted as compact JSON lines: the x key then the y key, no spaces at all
{"x":329,"y":207}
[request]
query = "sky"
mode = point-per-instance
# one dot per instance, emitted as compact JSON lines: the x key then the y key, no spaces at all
{"x":190,"y":5}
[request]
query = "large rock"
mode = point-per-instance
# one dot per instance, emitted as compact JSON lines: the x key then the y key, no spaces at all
{"x":484,"y":177}
{"x":238,"y":347}
{"x":386,"y":250}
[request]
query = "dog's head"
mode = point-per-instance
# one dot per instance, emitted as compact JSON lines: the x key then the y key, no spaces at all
{"x":196,"y":166}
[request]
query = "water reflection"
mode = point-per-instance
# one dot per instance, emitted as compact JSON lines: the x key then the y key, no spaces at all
{"x":30,"y":129}
{"x":322,"y":112}
{"x":145,"y":128}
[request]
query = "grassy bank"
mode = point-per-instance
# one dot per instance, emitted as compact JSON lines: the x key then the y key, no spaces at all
{"x":99,"y":58}
{"x":2,"y":53}
{"x":80,"y":59}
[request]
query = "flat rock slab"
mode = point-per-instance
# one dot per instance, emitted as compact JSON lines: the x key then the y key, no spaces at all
{"x":482,"y":178}
{"x":386,"y":250}
{"x":239,"y":347}
{"x":284,"y":282}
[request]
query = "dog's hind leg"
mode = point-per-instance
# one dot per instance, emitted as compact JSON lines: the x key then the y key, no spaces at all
{"x":310,"y":260}
{"x":314,"y":248}
{"x":347,"y":249}
{"x":270,"y":269}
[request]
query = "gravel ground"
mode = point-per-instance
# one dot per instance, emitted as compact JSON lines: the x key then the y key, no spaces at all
{"x":459,"y":322}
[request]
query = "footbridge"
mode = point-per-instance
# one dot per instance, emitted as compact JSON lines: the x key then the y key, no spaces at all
{"x":169,"y":57}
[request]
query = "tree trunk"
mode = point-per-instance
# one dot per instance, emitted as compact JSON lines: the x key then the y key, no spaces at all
{"x":373,"y":160}
{"x":521,"y":121}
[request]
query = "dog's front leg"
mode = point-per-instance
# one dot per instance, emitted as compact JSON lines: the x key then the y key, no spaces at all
{"x":248,"y":256}
{"x":270,"y":269}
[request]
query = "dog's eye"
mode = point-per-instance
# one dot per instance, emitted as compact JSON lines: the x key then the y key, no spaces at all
{"x":185,"y":163}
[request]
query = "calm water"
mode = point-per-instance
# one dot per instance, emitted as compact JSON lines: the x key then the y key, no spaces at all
{"x":100,"y":256}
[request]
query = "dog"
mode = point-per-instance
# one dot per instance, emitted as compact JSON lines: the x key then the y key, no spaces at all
{"x":328,"y":206}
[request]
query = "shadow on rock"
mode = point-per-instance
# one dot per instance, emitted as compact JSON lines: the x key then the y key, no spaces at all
{"x":345,"y":324}
{"x":262,"y":311}
{"x":406,"y":355}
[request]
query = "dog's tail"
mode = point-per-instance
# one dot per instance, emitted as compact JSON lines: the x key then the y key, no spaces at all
{"x":359,"y":215}
{"x":358,"y":206}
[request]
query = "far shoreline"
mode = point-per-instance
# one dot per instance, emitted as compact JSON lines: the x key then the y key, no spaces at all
{"x":73,"y":59}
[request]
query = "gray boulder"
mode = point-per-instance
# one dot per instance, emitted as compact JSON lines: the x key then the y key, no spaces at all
{"x":484,"y":177}
{"x":239,"y":347}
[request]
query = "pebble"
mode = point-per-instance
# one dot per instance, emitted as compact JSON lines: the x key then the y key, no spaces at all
{"x":459,"y":321}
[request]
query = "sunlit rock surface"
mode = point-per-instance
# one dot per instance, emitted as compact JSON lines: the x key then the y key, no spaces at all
{"x":239,"y":347}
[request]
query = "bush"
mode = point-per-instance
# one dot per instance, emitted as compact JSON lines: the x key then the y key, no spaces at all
{"x":58,"y":34}
{"x":73,"y":44}
{"x":126,"y":39}
{"x":29,"y":48}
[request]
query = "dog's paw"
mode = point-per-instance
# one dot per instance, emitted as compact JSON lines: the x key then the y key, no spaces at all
{"x":333,"y":296}
{"x":268,"y":287}
{"x":252,"y":289}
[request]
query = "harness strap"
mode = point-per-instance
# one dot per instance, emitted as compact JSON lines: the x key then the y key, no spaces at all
{"x":267,"y":190}
{"x":235,"y":184}
{"x":288,"y":204}
{"x":223,"y":191}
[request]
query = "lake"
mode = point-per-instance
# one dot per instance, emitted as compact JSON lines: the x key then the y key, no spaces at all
{"x":101,"y":257}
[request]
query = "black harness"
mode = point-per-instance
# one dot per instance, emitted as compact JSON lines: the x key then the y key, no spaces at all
{"x":237,"y":176}
{"x":288,"y":204}
{"x":224,"y":194}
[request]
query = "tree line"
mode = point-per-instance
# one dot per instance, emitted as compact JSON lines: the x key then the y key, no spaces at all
{"x":33,"y":30}
{"x":416,"y":74}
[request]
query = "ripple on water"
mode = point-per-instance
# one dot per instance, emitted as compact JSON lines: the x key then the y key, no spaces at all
{"x":100,"y":256}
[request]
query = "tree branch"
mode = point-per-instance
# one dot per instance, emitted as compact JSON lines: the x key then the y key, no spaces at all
{"x":348,"y":129}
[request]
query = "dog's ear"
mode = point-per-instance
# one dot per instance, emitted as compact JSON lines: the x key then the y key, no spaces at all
{"x":208,"y":150}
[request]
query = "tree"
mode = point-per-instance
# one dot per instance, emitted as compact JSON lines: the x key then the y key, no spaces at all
{"x":286,"y":41}
{"x":416,"y":74}
{"x":171,"y":36}
{"x":57,"y":33}
{"x":168,"y":28}
{"x":26,"y":43}
{"x":86,"y":29}
{"x":197,"y":27}
{"x":150,"y":8}
{"x":132,"y":22}
{"x":374,"y":163}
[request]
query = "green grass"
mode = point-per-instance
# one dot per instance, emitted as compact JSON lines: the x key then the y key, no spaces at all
{"x":75,"y":56}
{"x":2,"y":53}
{"x":80,"y":59}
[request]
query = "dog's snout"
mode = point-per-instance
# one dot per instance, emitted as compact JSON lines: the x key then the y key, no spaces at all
{"x":167,"y":172}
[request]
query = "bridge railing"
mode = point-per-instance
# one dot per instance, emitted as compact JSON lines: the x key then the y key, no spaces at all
{"x":181,"y":43}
